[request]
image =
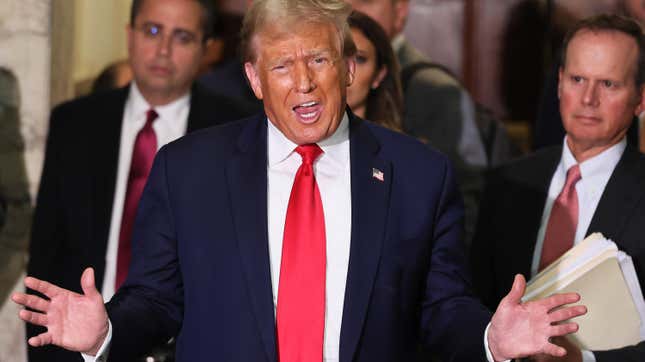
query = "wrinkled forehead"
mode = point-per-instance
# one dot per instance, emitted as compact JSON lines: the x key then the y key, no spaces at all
{"x":310,"y":37}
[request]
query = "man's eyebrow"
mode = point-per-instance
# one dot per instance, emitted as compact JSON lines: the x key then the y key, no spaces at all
{"x":152,"y":23}
{"x":323,"y":51}
{"x":184,"y":30}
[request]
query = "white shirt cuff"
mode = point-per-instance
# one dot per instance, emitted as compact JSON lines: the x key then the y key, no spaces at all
{"x":102,"y":354}
{"x":588,"y":356}
{"x":489,"y":355}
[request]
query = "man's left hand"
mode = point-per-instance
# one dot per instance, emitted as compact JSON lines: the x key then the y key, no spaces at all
{"x":520,"y":330}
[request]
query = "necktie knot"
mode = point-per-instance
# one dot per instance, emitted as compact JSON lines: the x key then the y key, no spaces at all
{"x":151,"y":116}
{"x":309,"y":153}
{"x":573,"y":176}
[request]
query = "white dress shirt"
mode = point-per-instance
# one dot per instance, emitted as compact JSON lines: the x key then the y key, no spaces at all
{"x":170,"y":125}
{"x":595,"y":173}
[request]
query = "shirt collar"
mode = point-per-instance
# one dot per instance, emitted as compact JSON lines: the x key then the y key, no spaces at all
{"x":335,"y":147}
{"x":600,"y":164}
{"x":168,"y":113}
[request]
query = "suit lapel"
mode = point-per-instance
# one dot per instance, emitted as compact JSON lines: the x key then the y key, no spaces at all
{"x":247,"y":178}
{"x":623,"y":192}
{"x":370,"y":204}
{"x":104,"y":164}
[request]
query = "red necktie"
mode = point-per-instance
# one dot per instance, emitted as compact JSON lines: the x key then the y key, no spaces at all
{"x":145,"y":148}
{"x":301,"y":292}
{"x":561,"y":229}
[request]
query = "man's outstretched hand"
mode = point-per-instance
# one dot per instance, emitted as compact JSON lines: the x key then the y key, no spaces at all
{"x":524,"y":329}
{"x":77,"y":322}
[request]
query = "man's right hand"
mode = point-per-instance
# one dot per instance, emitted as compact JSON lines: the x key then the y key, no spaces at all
{"x":76,"y":322}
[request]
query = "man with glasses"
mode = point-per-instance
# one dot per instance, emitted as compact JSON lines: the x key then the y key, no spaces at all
{"x":100,"y":150}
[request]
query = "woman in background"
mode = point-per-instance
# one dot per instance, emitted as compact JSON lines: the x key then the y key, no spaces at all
{"x":376,"y":93}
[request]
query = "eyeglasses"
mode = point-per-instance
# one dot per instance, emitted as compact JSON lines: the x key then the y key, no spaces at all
{"x":152,"y":31}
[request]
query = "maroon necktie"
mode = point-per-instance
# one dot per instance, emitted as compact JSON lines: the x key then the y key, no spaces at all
{"x":301,"y":292}
{"x":561,"y":229}
{"x":143,"y":153}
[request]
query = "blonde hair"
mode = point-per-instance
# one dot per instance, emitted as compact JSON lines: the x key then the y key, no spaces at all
{"x":286,"y":13}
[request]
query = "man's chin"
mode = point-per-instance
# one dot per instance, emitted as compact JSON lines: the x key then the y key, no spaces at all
{"x":304,"y":137}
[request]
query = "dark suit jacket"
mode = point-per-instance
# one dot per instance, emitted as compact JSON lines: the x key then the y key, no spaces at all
{"x":201,"y":262}
{"x":511,"y":214}
{"x":74,"y":205}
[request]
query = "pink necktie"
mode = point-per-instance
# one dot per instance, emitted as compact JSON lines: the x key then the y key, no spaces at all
{"x":145,"y":148}
{"x":561,"y":229}
{"x":301,"y":292}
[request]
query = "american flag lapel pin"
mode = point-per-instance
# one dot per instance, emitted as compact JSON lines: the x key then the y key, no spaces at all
{"x":377,"y":174}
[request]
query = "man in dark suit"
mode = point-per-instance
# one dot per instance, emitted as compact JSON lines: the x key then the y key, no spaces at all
{"x":601,"y":87}
{"x":299,"y":234}
{"x":81,"y":207}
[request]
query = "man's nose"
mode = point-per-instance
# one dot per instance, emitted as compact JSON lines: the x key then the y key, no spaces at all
{"x":590,"y":96}
{"x":164,"y":47}
{"x":303,"y":78}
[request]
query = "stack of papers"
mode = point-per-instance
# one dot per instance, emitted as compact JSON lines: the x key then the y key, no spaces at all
{"x":607,"y":283}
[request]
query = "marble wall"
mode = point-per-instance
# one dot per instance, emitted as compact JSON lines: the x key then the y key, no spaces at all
{"x":25,"y":51}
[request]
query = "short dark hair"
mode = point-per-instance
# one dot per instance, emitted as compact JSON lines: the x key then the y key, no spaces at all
{"x":208,"y":15}
{"x":611,"y":22}
{"x":385,"y":103}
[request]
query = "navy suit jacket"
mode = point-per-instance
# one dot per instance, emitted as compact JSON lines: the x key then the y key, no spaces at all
{"x":201,"y":263}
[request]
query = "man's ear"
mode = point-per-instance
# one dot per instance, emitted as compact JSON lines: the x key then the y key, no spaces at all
{"x":210,"y":42}
{"x":254,"y":79}
{"x":640,"y":107}
{"x":351,"y":69}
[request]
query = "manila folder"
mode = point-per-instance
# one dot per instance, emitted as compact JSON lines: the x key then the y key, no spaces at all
{"x":612,"y":320}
